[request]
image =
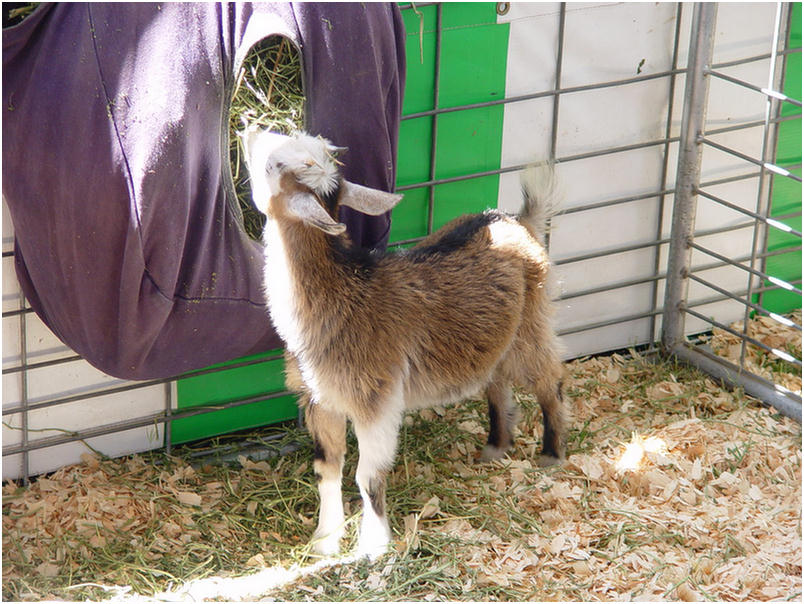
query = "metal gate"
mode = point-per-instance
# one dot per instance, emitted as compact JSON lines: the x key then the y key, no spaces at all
{"x":690,"y":190}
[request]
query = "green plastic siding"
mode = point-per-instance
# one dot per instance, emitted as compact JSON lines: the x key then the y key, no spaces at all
{"x":473,"y":63}
{"x":265,"y":378}
{"x":474,"y":50}
{"x":786,"y":193}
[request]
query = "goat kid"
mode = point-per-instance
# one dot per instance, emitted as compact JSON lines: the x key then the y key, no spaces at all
{"x":371,"y":335}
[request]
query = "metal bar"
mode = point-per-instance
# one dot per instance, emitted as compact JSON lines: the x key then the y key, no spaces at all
{"x":611,"y":287}
{"x":609,"y":322}
{"x":766,"y":165}
{"x":543,"y":94}
{"x":640,"y":246}
{"x":743,"y":337}
{"x":753,"y":124}
{"x":688,"y":174}
{"x":753,"y":271}
{"x":763,"y":201}
{"x":24,"y":402}
{"x":617,"y":201}
{"x":580,"y":156}
{"x":42,"y":364}
{"x":569,"y":158}
{"x":562,"y":18}
{"x":758,"y":217}
{"x":769,"y":92}
{"x":743,"y":299}
{"x":139,"y":422}
{"x":782,"y":73}
{"x":434,"y":121}
{"x":668,"y":127}
{"x":587,"y":87}
{"x":137,"y":385}
{"x":661,"y":275}
{"x":642,"y":315}
{"x":168,"y":427}
{"x":714,"y":299}
{"x":622,"y":249}
{"x":754,"y":59}
{"x":786,"y":402}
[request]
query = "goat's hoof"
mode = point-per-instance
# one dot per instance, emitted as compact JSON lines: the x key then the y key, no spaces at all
{"x":326,"y":545}
{"x":371,"y":551}
{"x":372,"y":546}
{"x":490,"y":453}
{"x":549,"y":460}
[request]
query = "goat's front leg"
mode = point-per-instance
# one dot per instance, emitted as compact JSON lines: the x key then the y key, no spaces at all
{"x":328,"y":429}
{"x":377,"y":443}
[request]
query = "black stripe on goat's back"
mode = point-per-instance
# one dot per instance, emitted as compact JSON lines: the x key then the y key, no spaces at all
{"x":454,"y":238}
{"x":359,"y":261}
{"x":362,"y":261}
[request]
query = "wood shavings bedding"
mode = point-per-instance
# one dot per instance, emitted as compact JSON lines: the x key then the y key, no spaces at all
{"x":674,"y":489}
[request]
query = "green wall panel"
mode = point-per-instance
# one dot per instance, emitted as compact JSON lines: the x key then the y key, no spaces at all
{"x":472,"y":68}
{"x":255,"y":380}
{"x":786,"y":193}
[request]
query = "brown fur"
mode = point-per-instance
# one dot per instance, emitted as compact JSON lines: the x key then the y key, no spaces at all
{"x":472,"y":317}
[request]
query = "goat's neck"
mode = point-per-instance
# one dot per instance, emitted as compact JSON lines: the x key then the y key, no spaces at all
{"x":300,"y":280}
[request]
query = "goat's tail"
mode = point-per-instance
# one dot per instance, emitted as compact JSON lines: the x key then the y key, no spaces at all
{"x":542,"y":196}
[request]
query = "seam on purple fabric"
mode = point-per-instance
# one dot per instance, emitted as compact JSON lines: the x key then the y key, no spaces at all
{"x":109,"y":105}
{"x":129,"y":177}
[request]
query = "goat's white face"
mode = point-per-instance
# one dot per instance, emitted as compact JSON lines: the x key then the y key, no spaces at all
{"x":311,"y":161}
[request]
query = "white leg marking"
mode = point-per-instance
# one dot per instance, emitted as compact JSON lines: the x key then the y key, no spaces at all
{"x":377,"y":442}
{"x":327,"y":537}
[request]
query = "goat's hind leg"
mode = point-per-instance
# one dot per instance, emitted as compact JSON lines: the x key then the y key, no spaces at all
{"x":328,"y":429}
{"x":551,"y":399}
{"x":503,"y":416}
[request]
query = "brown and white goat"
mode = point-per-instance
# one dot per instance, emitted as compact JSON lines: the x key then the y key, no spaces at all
{"x":371,"y":335}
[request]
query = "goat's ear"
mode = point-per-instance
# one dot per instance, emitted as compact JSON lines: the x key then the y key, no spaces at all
{"x":306,"y":206}
{"x":336,"y":151}
{"x":366,"y":200}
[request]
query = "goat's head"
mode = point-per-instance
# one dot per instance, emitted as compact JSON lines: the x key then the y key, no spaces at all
{"x":297,"y":177}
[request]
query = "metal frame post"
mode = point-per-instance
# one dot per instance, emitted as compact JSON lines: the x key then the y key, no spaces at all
{"x":702,"y":40}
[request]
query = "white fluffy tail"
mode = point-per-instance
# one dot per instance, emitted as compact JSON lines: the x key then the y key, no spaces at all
{"x":542,"y":197}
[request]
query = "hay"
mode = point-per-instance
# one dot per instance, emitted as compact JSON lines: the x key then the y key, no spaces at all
{"x":783,"y":338}
{"x":269,"y":94}
{"x":674,"y":489}
{"x":18,"y":13}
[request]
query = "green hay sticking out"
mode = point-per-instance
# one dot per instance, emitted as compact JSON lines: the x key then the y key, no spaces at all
{"x":17,"y":14}
{"x":268,"y":94}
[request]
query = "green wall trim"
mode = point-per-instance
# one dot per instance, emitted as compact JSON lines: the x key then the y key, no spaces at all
{"x":786,"y":193}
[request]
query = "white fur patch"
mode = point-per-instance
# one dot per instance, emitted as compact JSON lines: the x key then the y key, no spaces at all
{"x":269,"y":154}
{"x":310,"y":159}
{"x":377,"y":442}
{"x":327,"y":537}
